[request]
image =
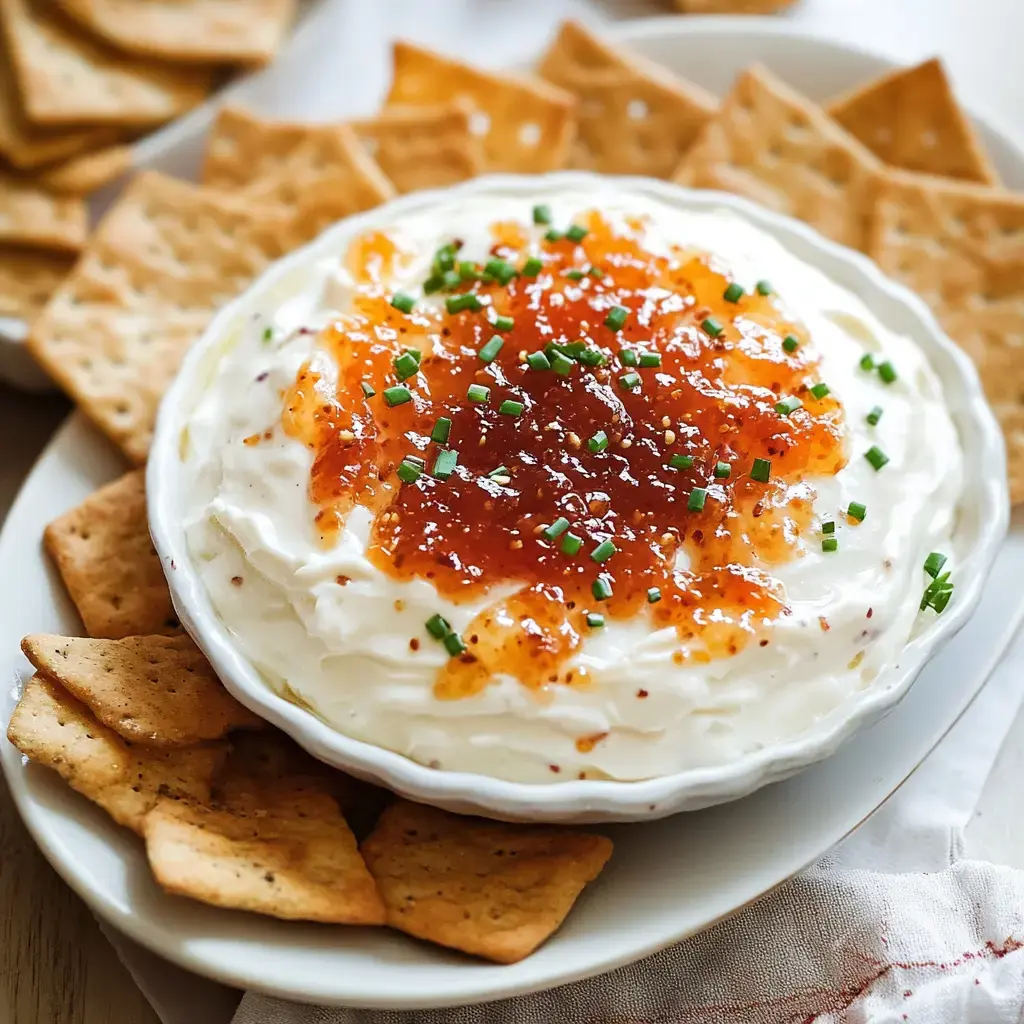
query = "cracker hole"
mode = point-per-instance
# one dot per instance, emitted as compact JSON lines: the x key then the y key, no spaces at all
{"x":637,"y":110}
{"x":929,"y":139}
{"x":479,"y":123}
{"x":529,"y":134}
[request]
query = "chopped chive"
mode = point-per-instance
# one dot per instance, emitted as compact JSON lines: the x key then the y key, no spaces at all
{"x":695,"y":503}
{"x":828,"y":527}
{"x":454,"y":644}
{"x":489,"y":352}
{"x":416,"y":461}
{"x":887,"y":372}
{"x":438,"y":626}
{"x":442,"y":428}
{"x":712,"y":326}
{"x":576,"y":233}
{"x":510,"y":407}
{"x":368,"y":389}
{"x":459,"y":303}
{"x":629,"y":358}
{"x":867,"y":361}
{"x":650,"y":359}
{"x":595,"y":620}
{"x":933,"y":563}
{"x":830,"y":544}
{"x":616,"y":317}
{"x":857,"y":511}
{"x":467,"y":270}
{"x":478,"y":393}
{"x":788,"y":405}
{"x":761,"y":470}
{"x":444,"y":258}
{"x":434,"y":283}
{"x":733,"y":293}
{"x":592,"y":357}
{"x":503,"y":323}
{"x":406,"y":365}
{"x":444,"y":464}
{"x":554,"y":235}
{"x":937,"y":593}
{"x":653,"y":595}
{"x":451,"y":280}
{"x":409,"y":472}
{"x":397,"y":395}
{"x":595,"y":272}
{"x":556,"y":529}
{"x":601,"y":588}
{"x":722,"y":470}
{"x":574,"y":275}
{"x":598,"y":442}
{"x":500,"y":471}
{"x":268,"y":333}
{"x":538,"y":361}
{"x":820,"y":390}
{"x":630,"y":380}
{"x":790,"y":343}
{"x":874,"y":416}
{"x":764,"y":287}
{"x":532,"y":267}
{"x":403,"y":302}
{"x":571,"y":544}
{"x":876,"y":457}
{"x":681,"y":461}
{"x":603,"y":552}
{"x":500,"y":270}
{"x":561,"y":364}
{"x":542,"y":214}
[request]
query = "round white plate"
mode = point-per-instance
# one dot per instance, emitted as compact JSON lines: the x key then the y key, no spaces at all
{"x":667,"y":879}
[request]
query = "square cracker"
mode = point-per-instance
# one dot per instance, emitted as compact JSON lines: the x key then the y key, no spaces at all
{"x":28,"y":277}
{"x":910,"y":118}
{"x":64,"y":77}
{"x":87,"y":172}
{"x":528,"y":122}
{"x":634,"y":117}
{"x":422,"y":147}
{"x":51,"y":727}
{"x":213,"y":31}
{"x":104,"y":554}
{"x":31,"y":215}
{"x":278,"y":848}
{"x":773,"y":146}
{"x":155,"y":690}
{"x":318,"y":172}
{"x":485,"y":887}
{"x":961,"y":247}
{"x":161,"y":262}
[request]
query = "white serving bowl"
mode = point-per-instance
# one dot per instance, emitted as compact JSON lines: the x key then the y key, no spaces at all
{"x":981,"y":525}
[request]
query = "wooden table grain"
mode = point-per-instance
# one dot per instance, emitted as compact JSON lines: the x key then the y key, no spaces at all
{"x":55,"y":965}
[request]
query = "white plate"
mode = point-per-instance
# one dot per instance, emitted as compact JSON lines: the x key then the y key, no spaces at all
{"x":667,"y":880}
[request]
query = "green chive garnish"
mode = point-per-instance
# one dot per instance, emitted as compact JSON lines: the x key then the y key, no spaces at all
{"x":733,"y":293}
{"x":712,"y":326}
{"x":820,"y":390}
{"x":503,"y":323}
{"x":790,"y":343}
{"x":653,"y":595}
{"x":616,"y":317}
{"x":368,"y":389}
{"x":788,"y":405}
{"x":722,"y":470}
{"x":542,"y":214}
{"x":556,"y":529}
{"x":867,"y":361}
{"x":650,"y":359}
{"x":829,"y":527}
{"x":595,"y":272}
{"x":681,"y":461}
{"x":574,"y":275}
{"x":764,"y":287}
{"x":442,"y":428}
{"x":933,"y":563}
{"x":532,"y":267}
{"x":403,"y":302}
{"x":445,"y":463}
{"x":510,"y":407}
{"x":876,"y":457}
{"x":571,"y":544}
{"x":592,"y":357}
{"x":695,"y":503}
{"x":460,"y":303}
{"x":576,"y":233}
{"x":397,"y":395}
{"x":438,"y":627}
{"x":595,"y":620}
{"x":875,"y":415}
{"x":937,"y":594}
{"x":467,"y":270}
{"x":268,"y":333}
{"x":444,"y":258}
{"x":538,"y":361}
{"x":489,"y":352}
{"x":406,"y":365}
{"x":629,"y":358}
{"x":603,"y":551}
{"x":434,"y":283}
{"x":857,"y":511}
{"x":500,"y":471}
{"x":887,"y":372}
{"x":450,"y":280}
{"x":830,"y":544}
{"x":454,"y":644}
{"x":598,"y":442}
{"x":501,"y":271}
{"x":601,"y":588}
{"x":478,"y":393}
{"x":761,"y":470}
{"x":561,"y":364}
{"x":409,"y":472}
{"x":554,"y":235}
{"x":630,"y":380}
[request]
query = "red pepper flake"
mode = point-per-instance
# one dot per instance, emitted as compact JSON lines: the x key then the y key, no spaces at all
{"x":871,"y":611}
{"x":342,"y":580}
{"x":236,"y":581}
{"x":414,"y":643}
{"x":823,"y":622}
{"x":641,"y":694}
{"x":555,"y":768}
{"x":764,"y":643}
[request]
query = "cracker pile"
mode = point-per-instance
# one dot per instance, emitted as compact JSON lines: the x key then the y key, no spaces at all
{"x":131,"y":714}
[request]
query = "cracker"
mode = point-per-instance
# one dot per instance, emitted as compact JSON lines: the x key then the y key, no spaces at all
{"x":64,"y":77}
{"x":155,"y":690}
{"x":484,"y":887}
{"x":424,"y":147}
{"x":527,"y":122}
{"x":777,"y":148}
{"x":30,"y":215}
{"x":28,"y":277}
{"x":163,"y":259}
{"x":961,"y":247}
{"x":634,"y":117}
{"x":318,"y":172}
{"x":911,"y":119}
{"x":51,"y":727}
{"x":88,"y":172}
{"x":280,"y":848}
{"x":733,"y":6}
{"x":217,"y":31}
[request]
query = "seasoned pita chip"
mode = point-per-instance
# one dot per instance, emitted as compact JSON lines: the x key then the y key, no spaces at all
{"x":634,"y":117}
{"x":156,"y":690}
{"x":84,"y":174}
{"x":281,"y":849}
{"x":961,"y":247}
{"x":30,"y":215}
{"x":527,"y":124}
{"x":211,"y":31}
{"x":51,"y":727}
{"x":422,"y":147}
{"x":487,"y":888}
{"x":166,"y":256}
{"x":910,"y":118}
{"x":319,"y":172}
{"x":28,"y":277}
{"x":732,"y":6}
{"x":772,"y":145}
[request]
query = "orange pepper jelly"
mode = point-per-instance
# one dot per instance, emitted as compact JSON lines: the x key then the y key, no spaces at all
{"x":596,"y":429}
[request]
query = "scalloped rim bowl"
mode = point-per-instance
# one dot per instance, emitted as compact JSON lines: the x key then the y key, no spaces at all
{"x":982,"y":523}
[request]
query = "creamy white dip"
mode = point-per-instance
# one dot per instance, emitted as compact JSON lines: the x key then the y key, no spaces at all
{"x":344,"y":651}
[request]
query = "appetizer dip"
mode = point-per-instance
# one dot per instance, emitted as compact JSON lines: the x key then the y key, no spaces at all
{"x":584,"y":486}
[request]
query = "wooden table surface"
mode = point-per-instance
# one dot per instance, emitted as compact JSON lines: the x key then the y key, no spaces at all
{"x":55,"y":965}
